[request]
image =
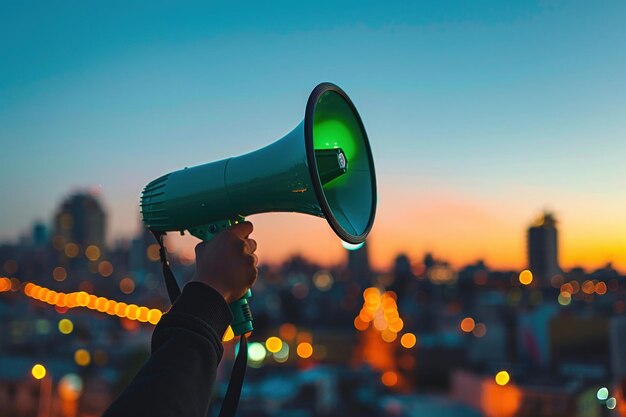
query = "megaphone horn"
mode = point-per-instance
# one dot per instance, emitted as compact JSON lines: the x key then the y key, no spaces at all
{"x":323,"y":167}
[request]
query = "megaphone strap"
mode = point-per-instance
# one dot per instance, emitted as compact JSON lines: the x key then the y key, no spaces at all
{"x":173,"y":290}
{"x":233,"y":392}
{"x":231,"y":399}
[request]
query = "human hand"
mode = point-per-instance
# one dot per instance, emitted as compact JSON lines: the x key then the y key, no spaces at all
{"x":227,"y":262}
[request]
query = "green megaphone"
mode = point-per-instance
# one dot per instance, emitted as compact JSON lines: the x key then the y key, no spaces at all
{"x":323,"y":167}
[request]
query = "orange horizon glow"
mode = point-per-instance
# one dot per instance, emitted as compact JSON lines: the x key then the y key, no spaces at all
{"x":451,"y":224}
{"x":458,"y":237}
{"x":431,"y":217}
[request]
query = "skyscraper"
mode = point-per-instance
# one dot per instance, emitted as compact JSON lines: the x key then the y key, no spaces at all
{"x":81,"y":220}
{"x":39,"y":235}
{"x":543,"y":259}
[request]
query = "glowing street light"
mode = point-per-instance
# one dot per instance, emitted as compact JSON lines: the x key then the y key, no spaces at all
{"x":502,"y":378}
{"x":526,"y":277}
{"x":70,"y":387}
{"x":602,"y":394}
{"x":45,"y":389}
{"x":274,"y":344}
{"x":304,"y":350}
{"x":38,"y":371}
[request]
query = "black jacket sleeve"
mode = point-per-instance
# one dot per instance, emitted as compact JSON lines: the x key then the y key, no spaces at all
{"x":178,"y":378}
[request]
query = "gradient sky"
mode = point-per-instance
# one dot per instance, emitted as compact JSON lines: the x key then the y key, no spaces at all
{"x":480,"y":114}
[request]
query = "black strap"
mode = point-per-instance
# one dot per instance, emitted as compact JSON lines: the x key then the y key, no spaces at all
{"x":231,"y":399}
{"x":173,"y":290}
{"x":233,"y":392}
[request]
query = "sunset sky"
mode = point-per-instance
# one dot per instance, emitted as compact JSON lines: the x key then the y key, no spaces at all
{"x":480,"y":114}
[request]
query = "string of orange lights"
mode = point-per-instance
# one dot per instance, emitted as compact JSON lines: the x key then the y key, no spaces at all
{"x":82,"y":299}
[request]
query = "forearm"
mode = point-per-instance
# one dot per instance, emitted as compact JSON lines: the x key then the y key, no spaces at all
{"x":186,"y":349}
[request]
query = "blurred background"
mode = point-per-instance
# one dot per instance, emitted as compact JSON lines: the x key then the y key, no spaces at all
{"x":492,"y":283}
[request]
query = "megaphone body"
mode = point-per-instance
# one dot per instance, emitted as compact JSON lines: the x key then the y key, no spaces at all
{"x":323,"y":167}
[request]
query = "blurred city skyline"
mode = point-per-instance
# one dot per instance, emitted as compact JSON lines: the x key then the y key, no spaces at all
{"x":480,"y":115}
{"x":545,"y":341}
{"x":545,"y":257}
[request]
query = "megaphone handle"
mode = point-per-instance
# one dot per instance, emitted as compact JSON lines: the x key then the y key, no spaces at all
{"x":240,"y":309}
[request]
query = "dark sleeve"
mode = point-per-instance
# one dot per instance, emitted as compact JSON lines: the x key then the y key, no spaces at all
{"x":178,"y":378}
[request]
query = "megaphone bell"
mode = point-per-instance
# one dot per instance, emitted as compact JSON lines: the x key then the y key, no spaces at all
{"x":323,"y":167}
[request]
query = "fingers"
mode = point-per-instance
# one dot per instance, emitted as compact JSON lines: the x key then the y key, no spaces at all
{"x":254,"y":271}
{"x":251,"y":245}
{"x":255,"y":259}
{"x":242,"y":230}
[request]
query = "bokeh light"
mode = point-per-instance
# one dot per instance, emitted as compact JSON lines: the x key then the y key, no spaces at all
{"x":5,"y":284}
{"x":408,"y":340}
{"x":127,"y":285}
{"x":154,"y":316}
{"x":396,"y":325}
{"x":323,"y":280}
{"x":152,"y":252}
{"x":611,"y":403}
{"x":564,"y":298}
{"x":588,"y":287}
{"x":389,"y":378}
{"x":502,"y":378}
{"x":66,"y":326}
{"x":304,"y":350}
{"x":38,"y":371}
{"x":273,"y":344}
{"x":142,"y":314}
{"x":71,"y":250}
{"x":287,"y":331}
{"x":602,"y":394}
{"x":389,"y":335}
{"x":480,"y":330}
{"x":304,"y":337}
{"x":92,"y":252}
{"x":360,"y":324}
{"x":526,"y":277}
{"x":601,"y":288}
{"x":70,"y":387}
{"x":82,"y":357}
{"x":59,"y":273}
{"x":467,"y":324}
{"x":105,"y":268}
{"x":256,"y":352}
{"x":131,"y":311}
{"x":283,"y":354}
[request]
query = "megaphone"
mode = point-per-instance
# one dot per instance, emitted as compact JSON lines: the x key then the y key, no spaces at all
{"x":323,"y":167}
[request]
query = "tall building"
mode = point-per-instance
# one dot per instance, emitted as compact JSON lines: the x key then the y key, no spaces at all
{"x":81,"y":220}
{"x":543,"y":259}
{"x":40,"y":235}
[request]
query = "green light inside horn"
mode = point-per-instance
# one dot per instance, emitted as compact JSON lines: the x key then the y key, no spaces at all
{"x":350,"y":196}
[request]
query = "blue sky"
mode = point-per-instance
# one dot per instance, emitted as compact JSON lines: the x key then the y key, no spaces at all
{"x":484,"y":112}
